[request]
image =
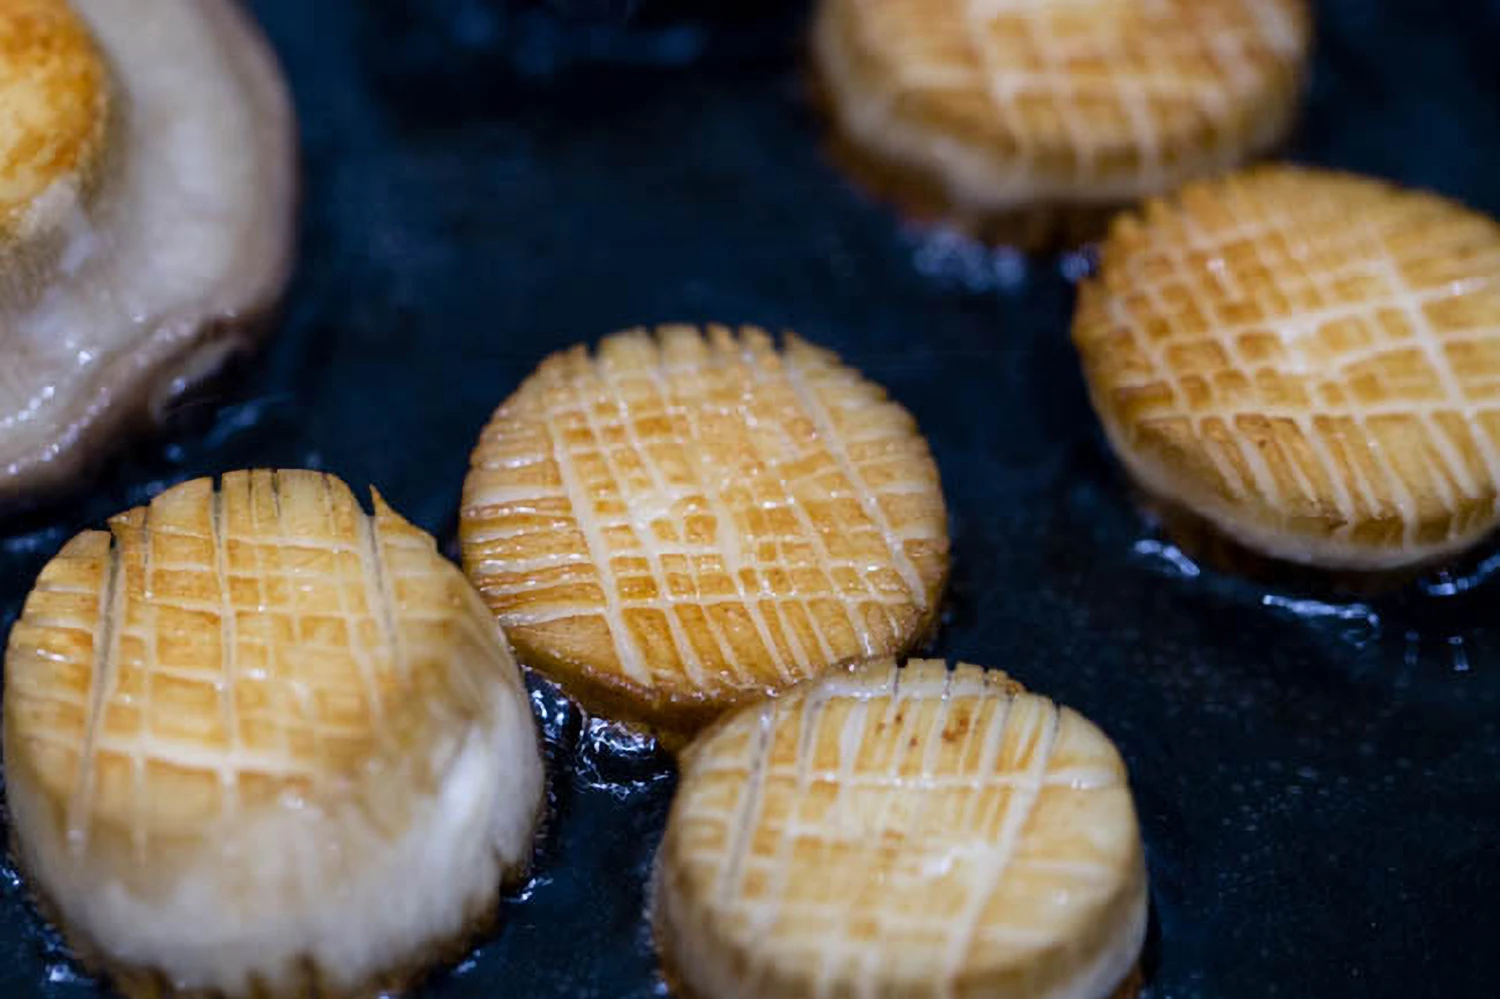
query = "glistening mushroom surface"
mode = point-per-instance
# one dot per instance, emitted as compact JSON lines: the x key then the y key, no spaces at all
{"x":914,"y":832}
{"x":147,"y":181}
{"x":1308,"y":360}
{"x":261,"y":743}
{"x":686,"y":519}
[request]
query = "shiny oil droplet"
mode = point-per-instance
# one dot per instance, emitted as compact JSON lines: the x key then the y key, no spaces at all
{"x":1170,"y":556}
{"x":1459,"y":653}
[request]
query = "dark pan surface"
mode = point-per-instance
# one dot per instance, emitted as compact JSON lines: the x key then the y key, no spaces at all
{"x":1319,"y":782}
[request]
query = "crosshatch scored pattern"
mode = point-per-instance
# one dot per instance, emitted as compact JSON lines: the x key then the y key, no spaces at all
{"x":1322,"y":351}
{"x":1064,"y":96}
{"x":216,"y":651}
{"x":689,"y":517}
{"x":913,"y":827}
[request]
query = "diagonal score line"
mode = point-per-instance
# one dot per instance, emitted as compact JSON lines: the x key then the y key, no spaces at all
{"x":1403,"y":298}
{"x":625,"y":649}
{"x":866,"y":496}
{"x":1429,"y":340}
{"x":229,"y":776}
{"x":815,"y":539}
{"x":992,"y":66}
{"x":734,"y":553}
{"x":645,"y":537}
{"x":747,"y":818}
{"x":1019,"y":805}
{"x":103,"y":677}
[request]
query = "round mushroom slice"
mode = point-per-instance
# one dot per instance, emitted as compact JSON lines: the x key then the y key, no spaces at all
{"x":147,"y":202}
{"x":917,"y":832}
{"x":688,"y":519}
{"x":1298,"y":368}
{"x":259,"y":743}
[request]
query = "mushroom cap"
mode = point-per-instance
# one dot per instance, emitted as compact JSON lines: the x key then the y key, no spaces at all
{"x":148,"y":238}
{"x":55,"y":101}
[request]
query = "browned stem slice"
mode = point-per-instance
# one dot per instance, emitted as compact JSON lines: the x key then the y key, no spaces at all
{"x":242,"y":722}
{"x":685,"y":520}
{"x":1030,"y":122}
{"x":1309,"y":362}
{"x":916,"y":832}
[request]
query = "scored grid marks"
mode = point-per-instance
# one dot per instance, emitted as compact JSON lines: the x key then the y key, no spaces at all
{"x":724,"y":516}
{"x":245,"y":656}
{"x":700,"y":515}
{"x":1018,"y":807}
{"x":862,"y":493}
{"x":1324,"y":349}
{"x":895,"y":825}
{"x":1064,"y":95}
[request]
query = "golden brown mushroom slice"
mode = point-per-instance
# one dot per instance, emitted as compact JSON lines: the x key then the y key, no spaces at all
{"x":147,"y":202}
{"x":685,"y":519}
{"x":914,"y":832}
{"x":1304,"y":365}
{"x":1032,"y":121}
{"x":261,"y":743}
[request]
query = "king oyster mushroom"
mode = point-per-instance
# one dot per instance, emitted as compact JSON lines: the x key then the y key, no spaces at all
{"x":147,"y":203}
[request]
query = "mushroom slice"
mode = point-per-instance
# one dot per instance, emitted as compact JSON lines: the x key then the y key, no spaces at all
{"x":147,"y":203}
{"x":259,"y":743}
{"x":912,"y":832}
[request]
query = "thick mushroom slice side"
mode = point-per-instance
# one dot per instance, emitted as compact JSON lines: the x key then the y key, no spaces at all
{"x":150,"y":238}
